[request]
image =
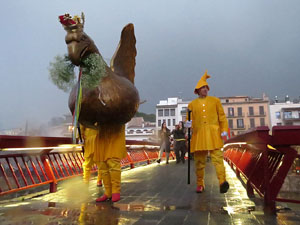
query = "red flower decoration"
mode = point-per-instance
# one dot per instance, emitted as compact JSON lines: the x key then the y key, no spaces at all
{"x":66,"y":20}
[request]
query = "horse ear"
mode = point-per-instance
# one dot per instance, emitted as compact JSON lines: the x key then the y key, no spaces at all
{"x":123,"y":61}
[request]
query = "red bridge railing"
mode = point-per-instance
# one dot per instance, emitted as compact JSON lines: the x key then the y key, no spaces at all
{"x":28,"y":162}
{"x":264,"y":160}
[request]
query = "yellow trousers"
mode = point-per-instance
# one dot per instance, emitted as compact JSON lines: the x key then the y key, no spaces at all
{"x":87,"y":166}
{"x":217,"y":160}
{"x":111,"y":175}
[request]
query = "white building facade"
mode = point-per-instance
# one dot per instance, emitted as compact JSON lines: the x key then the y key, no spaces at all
{"x":140,"y":130}
{"x":171,"y":111}
{"x":285,"y":113}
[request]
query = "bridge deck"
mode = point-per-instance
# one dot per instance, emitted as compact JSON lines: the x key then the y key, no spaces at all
{"x":154,"y":194}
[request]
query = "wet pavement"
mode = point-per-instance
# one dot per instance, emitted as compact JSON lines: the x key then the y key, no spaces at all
{"x":154,"y":194}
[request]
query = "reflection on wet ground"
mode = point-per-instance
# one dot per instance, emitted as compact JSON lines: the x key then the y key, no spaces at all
{"x":156,"y":194}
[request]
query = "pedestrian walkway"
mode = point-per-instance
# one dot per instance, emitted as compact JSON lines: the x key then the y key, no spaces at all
{"x":154,"y":194}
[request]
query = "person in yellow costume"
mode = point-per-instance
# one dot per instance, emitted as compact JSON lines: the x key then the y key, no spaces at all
{"x":110,"y":149}
{"x":89,"y":136}
{"x":209,"y":124}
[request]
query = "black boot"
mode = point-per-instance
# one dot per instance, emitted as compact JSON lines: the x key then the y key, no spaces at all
{"x":158,"y":161}
{"x":224,"y":187}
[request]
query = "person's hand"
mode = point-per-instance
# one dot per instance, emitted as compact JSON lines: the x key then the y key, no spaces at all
{"x":188,"y":124}
{"x":224,"y":134}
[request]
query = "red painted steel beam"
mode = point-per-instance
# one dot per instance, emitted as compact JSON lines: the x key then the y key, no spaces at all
{"x":285,"y":135}
{"x":13,"y":173}
{"x":42,"y":170}
{"x":255,"y":136}
{"x":288,"y":200}
{"x":7,"y":141}
{"x":21,"y":171}
{"x":50,"y":174}
{"x":5,"y":176}
{"x":23,"y":188}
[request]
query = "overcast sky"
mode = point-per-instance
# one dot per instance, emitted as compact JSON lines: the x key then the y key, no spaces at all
{"x":247,"y":46}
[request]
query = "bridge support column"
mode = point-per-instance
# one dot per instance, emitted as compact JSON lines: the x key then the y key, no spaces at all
{"x":269,"y":202}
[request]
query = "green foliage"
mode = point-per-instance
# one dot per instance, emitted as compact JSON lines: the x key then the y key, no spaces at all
{"x":147,"y":117}
{"x":93,"y":70}
{"x":63,"y":76}
{"x":62,"y":73}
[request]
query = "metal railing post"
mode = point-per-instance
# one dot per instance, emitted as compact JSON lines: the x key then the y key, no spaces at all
{"x":130,"y":160}
{"x":49,"y":173}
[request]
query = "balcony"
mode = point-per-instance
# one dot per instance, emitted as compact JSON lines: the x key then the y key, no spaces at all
{"x":256,"y":114}
{"x":290,"y":118}
{"x":237,"y":128}
{"x":235,"y":115}
{"x":291,"y":115}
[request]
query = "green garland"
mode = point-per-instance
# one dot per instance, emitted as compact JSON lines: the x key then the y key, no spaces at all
{"x":63,"y":76}
{"x":93,"y":70}
{"x":62,"y":73}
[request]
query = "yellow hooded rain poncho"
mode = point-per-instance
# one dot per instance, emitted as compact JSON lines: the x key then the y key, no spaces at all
{"x":111,"y":143}
{"x":208,"y":120}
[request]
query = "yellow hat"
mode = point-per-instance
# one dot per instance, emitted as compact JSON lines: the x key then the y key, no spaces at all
{"x":202,"y":82}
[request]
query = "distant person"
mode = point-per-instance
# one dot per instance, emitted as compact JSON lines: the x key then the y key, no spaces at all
{"x":164,"y":135}
{"x":208,"y":123}
{"x":179,"y":142}
{"x":90,"y":140}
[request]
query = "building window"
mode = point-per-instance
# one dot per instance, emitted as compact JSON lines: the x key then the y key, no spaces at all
{"x":279,"y":124}
{"x":159,"y":123}
{"x":251,"y":111}
{"x":230,"y":124}
{"x":287,"y":115}
{"x":169,"y":122}
{"x":277,"y":115}
{"x":261,"y":110}
{"x":240,"y":123}
{"x":183,"y":111}
{"x":164,"y":120}
{"x":227,"y":100}
{"x":167,"y":112}
{"x":252,"y":123}
{"x":139,"y":131}
{"x":172,"y":112}
{"x":240,"y":111}
{"x":230,"y":111}
{"x":174,"y":122}
{"x":262,"y":121}
{"x":160,"y":112}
